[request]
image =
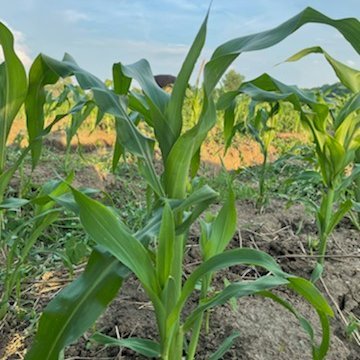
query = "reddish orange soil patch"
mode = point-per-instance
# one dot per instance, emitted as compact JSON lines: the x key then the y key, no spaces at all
{"x":245,"y":153}
{"x":88,"y":139}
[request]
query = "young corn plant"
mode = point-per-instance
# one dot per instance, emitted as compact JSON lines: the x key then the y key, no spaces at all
{"x":336,"y":140}
{"x":13,"y":89}
{"x":267,"y":96}
{"x":337,"y":149}
{"x":13,"y":94}
{"x":335,"y":153}
{"x":155,"y":253}
{"x":260,"y":123}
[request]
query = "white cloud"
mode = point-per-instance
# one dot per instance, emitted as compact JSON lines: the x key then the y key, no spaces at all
{"x":21,"y":48}
{"x":184,"y":4}
{"x":74,"y":16}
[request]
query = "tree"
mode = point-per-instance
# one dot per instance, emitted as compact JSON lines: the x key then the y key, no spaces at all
{"x":232,"y":80}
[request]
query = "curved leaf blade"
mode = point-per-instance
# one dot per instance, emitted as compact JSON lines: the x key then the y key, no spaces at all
{"x":347,"y":75}
{"x":142,"y":346}
{"x":13,"y":88}
{"x":77,"y":306}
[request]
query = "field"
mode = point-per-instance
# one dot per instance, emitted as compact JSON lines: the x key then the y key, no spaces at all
{"x":200,"y":222}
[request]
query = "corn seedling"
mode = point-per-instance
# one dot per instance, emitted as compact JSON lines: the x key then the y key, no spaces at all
{"x":260,"y":123}
{"x":13,"y":94}
{"x":337,"y":150}
{"x":336,"y":147}
{"x":155,"y":253}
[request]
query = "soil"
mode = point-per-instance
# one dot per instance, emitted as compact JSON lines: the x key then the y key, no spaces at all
{"x":267,"y":331}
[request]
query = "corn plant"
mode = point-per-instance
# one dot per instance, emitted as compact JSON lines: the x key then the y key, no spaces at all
{"x":13,"y":89}
{"x":337,"y":149}
{"x":267,"y":96}
{"x":260,"y":122}
{"x":155,"y":253}
{"x":44,"y":213}
{"x":13,"y":94}
{"x":336,"y":140}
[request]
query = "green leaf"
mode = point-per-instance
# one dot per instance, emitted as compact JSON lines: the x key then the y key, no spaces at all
{"x":118,"y":152}
{"x":121,"y":82}
{"x":223,"y":228}
{"x":317,"y":272}
{"x":13,"y":203}
{"x":268,"y":89}
{"x":339,"y":215}
{"x":347,"y":75}
{"x":307,"y":290}
{"x":13,"y":88}
{"x":80,"y":113}
{"x":309,"y":175}
{"x":229,"y":120}
{"x":319,"y":352}
{"x":178,"y":163}
{"x":142,"y":346}
{"x":226,"y":53}
{"x":77,"y":306}
{"x":157,"y":101}
{"x":236,"y":290}
{"x":39,"y":76}
{"x":225,"y":260}
{"x":107,"y":230}
{"x":352,"y":105}
{"x":174,"y":110}
{"x":225,"y":346}
{"x":6,"y":175}
{"x":165,"y":250}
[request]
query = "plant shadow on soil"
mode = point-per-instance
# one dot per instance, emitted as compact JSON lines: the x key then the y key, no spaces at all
{"x":266,"y":330}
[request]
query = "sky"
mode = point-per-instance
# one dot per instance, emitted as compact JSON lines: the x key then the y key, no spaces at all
{"x":98,"y":33}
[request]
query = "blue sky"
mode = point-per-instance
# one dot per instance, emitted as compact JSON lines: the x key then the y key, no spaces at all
{"x":98,"y":33}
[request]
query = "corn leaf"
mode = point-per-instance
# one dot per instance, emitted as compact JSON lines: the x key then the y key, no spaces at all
{"x":157,"y":100}
{"x":320,"y":351}
{"x":77,"y":306}
{"x":307,"y":290}
{"x":165,"y":251}
{"x":229,"y":121}
{"x":223,"y":228}
{"x":39,"y":76}
{"x":13,"y":88}
{"x":121,"y":82}
{"x":339,"y":215}
{"x":106,"y":230}
{"x":225,"y":346}
{"x":226,"y":53}
{"x":236,"y":290}
{"x":226,"y":259}
{"x":347,"y":75}
{"x":351,"y":106}
{"x":174,"y":110}
{"x":142,"y":346}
